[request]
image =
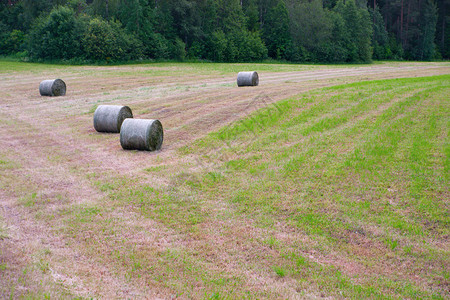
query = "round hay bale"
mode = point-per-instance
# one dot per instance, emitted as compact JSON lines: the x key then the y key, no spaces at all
{"x":55,"y":87}
{"x":138,"y":134}
{"x":109,"y":118}
{"x":247,"y":79}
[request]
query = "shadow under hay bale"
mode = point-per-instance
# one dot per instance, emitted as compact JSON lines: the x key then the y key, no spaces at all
{"x":52,"y":88}
{"x":247,"y":79}
{"x":109,"y":118}
{"x":138,"y":134}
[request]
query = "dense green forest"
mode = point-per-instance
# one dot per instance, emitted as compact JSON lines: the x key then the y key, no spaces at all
{"x":225,"y":30}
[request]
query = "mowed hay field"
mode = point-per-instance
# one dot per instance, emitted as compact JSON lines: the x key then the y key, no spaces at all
{"x":322,"y":182}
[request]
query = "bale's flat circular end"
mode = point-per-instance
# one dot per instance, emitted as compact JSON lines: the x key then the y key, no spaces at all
{"x":248,"y":78}
{"x":255,"y":79}
{"x":52,"y":88}
{"x":109,"y":118}
{"x":155,"y":135}
{"x":124,"y":113}
{"x":59,"y":88}
{"x":138,"y":134}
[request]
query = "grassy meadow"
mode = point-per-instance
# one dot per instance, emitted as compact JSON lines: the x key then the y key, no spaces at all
{"x":336,"y":192}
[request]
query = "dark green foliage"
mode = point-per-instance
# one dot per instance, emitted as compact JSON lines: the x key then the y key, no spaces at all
{"x":276,"y":31}
{"x":57,"y":36}
{"x":329,"y":3}
{"x":11,"y":15}
{"x":30,"y":10}
{"x":155,"y":45}
{"x":413,"y":24}
{"x":311,"y":28}
{"x":4,"y":39}
{"x":226,"y":30}
{"x":15,"y":42}
{"x":341,"y":40}
{"x":177,"y":49}
{"x":420,"y":45}
{"x":235,"y":46}
{"x":380,"y":40}
{"x":106,"y":41}
{"x":105,"y":8}
{"x":248,"y":46}
{"x":217,"y":45}
{"x":140,"y":19}
{"x":358,"y":30}
{"x":395,"y":50}
{"x":343,"y":34}
{"x":252,"y":14}
{"x":443,"y":28}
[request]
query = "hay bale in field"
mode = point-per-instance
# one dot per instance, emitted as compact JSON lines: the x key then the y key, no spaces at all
{"x":247,"y":79}
{"x":55,"y":87}
{"x":138,"y":134}
{"x":109,"y":118}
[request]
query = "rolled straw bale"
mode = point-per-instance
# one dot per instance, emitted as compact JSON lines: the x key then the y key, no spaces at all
{"x":109,"y":118}
{"x":55,"y":87}
{"x":139,"y":134}
{"x":247,"y":79}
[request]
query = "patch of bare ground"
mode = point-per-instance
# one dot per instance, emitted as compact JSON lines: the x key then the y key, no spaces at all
{"x":56,"y":147}
{"x":40,"y":264}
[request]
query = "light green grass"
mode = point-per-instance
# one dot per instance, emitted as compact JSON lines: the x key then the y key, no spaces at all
{"x":8,"y":66}
{"x":167,"y":68}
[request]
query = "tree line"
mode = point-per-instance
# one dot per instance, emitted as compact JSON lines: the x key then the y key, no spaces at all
{"x":225,"y":30}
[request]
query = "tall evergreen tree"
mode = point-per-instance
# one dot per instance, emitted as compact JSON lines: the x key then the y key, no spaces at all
{"x":420,"y":42}
{"x":359,"y":25}
{"x":276,"y":31}
{"x":443,"y":28}
{"x":311,"y":29}
{"x":380,"y":40}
